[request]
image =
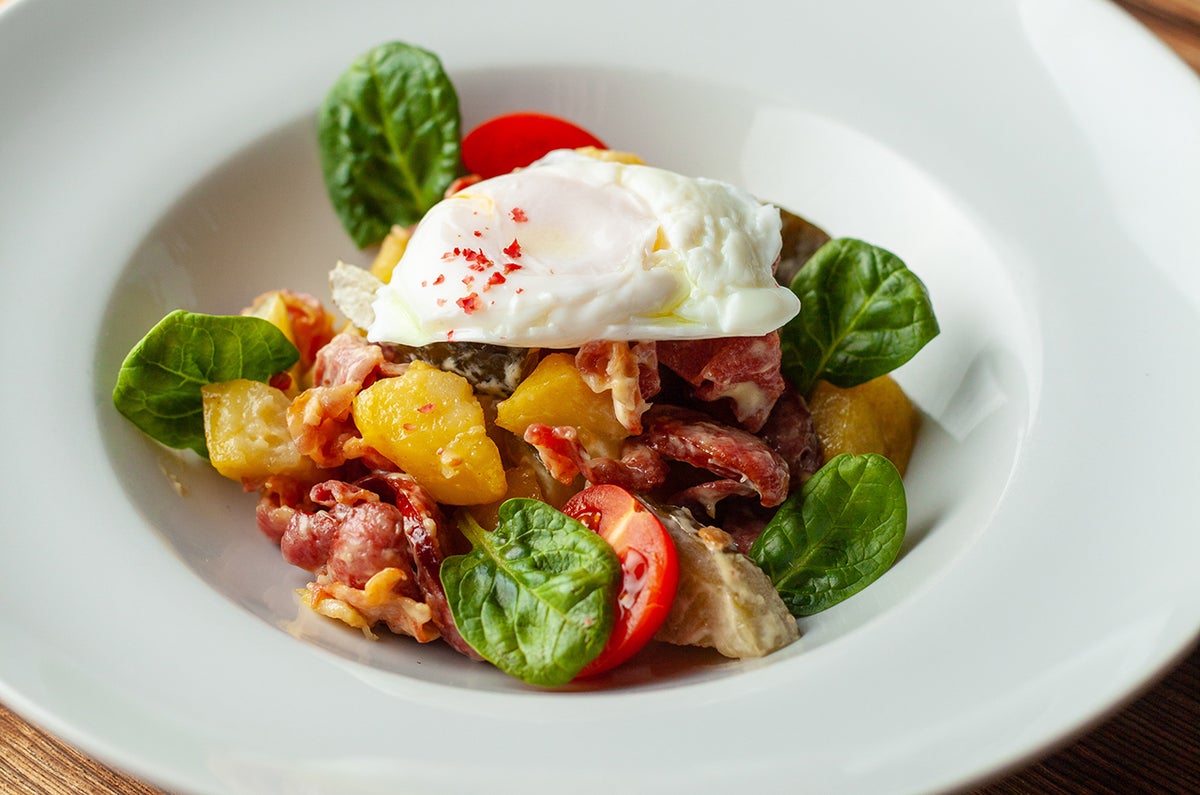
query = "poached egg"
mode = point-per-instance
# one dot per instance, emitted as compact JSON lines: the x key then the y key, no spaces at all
{"x":574,"y":248}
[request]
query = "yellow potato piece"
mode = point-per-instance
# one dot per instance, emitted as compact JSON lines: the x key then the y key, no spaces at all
{"x":611,"y":155}
{"x":522,"y":481}
{"x":875,"y":417}
{"x":555,"y":393}
{"x":245,"y":428}
{"x":429,"y":423}
{"x":390,"y":252}
{"x":272,"y":308}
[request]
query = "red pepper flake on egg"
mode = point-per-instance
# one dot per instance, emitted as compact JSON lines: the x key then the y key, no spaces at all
{"x":476,"y":259}
{"x":469,"y":303}
{"x":518,"y":215}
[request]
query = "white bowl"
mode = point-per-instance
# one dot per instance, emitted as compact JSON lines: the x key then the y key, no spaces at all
{"x":1034,"y":163}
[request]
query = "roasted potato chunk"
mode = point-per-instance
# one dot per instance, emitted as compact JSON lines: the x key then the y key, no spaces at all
{"x":875,"y":417}
{"x":430,"y":424}
{"x":245,"y":428}
{"x":555,"y":393}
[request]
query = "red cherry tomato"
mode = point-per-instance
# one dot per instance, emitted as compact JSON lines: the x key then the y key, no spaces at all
{"x":649,"y":568}
{"x":514,"y":140}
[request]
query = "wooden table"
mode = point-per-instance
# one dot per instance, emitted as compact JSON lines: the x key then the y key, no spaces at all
{"x":1150,"y":746}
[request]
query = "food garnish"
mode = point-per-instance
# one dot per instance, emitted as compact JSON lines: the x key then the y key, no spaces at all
{"x":836,"y":535}
{"x":158,"y":388}
{"x":581,"y":404}
{"x":865,"y":314}
{"x":389,"y":139}
{"x":649,"y":568}
{"x":537,"y":594}
{"x":514,"y":140}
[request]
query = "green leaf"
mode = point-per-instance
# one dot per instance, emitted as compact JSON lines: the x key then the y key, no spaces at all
{"x":158,"y":387}
{"x":862,"y":314}
{"x":388,"y":134}
{"x":536,"y":597}
{"x":835,"y":536}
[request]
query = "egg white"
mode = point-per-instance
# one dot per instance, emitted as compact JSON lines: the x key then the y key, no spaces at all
{"x":574,"y":248}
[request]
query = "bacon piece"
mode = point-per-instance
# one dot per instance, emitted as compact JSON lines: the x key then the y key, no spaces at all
{"x":746,"y":464}
{"x":559,"y":448}
{"x":355,"y":538}
{"x":630,"y":372}
{"x":379,"y":600}
{"x":744,"y":369}
{"x":319,"y":421}
{"x":306,"y":539}
{"x":370,"y":535}
{"x":319,"y":418}
{"x":312,"y":326}
{"x":639,"y":468}
{"x":789,"y":431}
{"x":383,"y":522}
{"x":279,"y":498}
{"x":705,"y":496}
{"x":349,"y":359}
{"x":429,"y":540}
{"x":681,"y":434}
{"x":649,"y":381}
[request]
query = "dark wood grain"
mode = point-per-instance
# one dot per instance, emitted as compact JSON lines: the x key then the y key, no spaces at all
{"x":34,"y":763}
{"x":1176,"y":22}
{"x":1149,"y":746}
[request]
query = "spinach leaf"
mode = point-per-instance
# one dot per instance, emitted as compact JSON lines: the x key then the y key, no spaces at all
{"x":835,"y":536}
{"x":536,"y":597}
{"x":862,"y":314}
{"x":388,"y":133}
{"x":158,"y":387}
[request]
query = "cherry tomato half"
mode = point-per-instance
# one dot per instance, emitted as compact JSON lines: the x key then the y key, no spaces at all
{"x":514,"y":140}
{"x":649,"y":568}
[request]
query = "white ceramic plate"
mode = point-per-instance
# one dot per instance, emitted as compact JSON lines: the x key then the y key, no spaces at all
{"x":1034,"y":162}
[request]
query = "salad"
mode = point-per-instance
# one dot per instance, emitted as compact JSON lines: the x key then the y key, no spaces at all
{"x":577,"y":403}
